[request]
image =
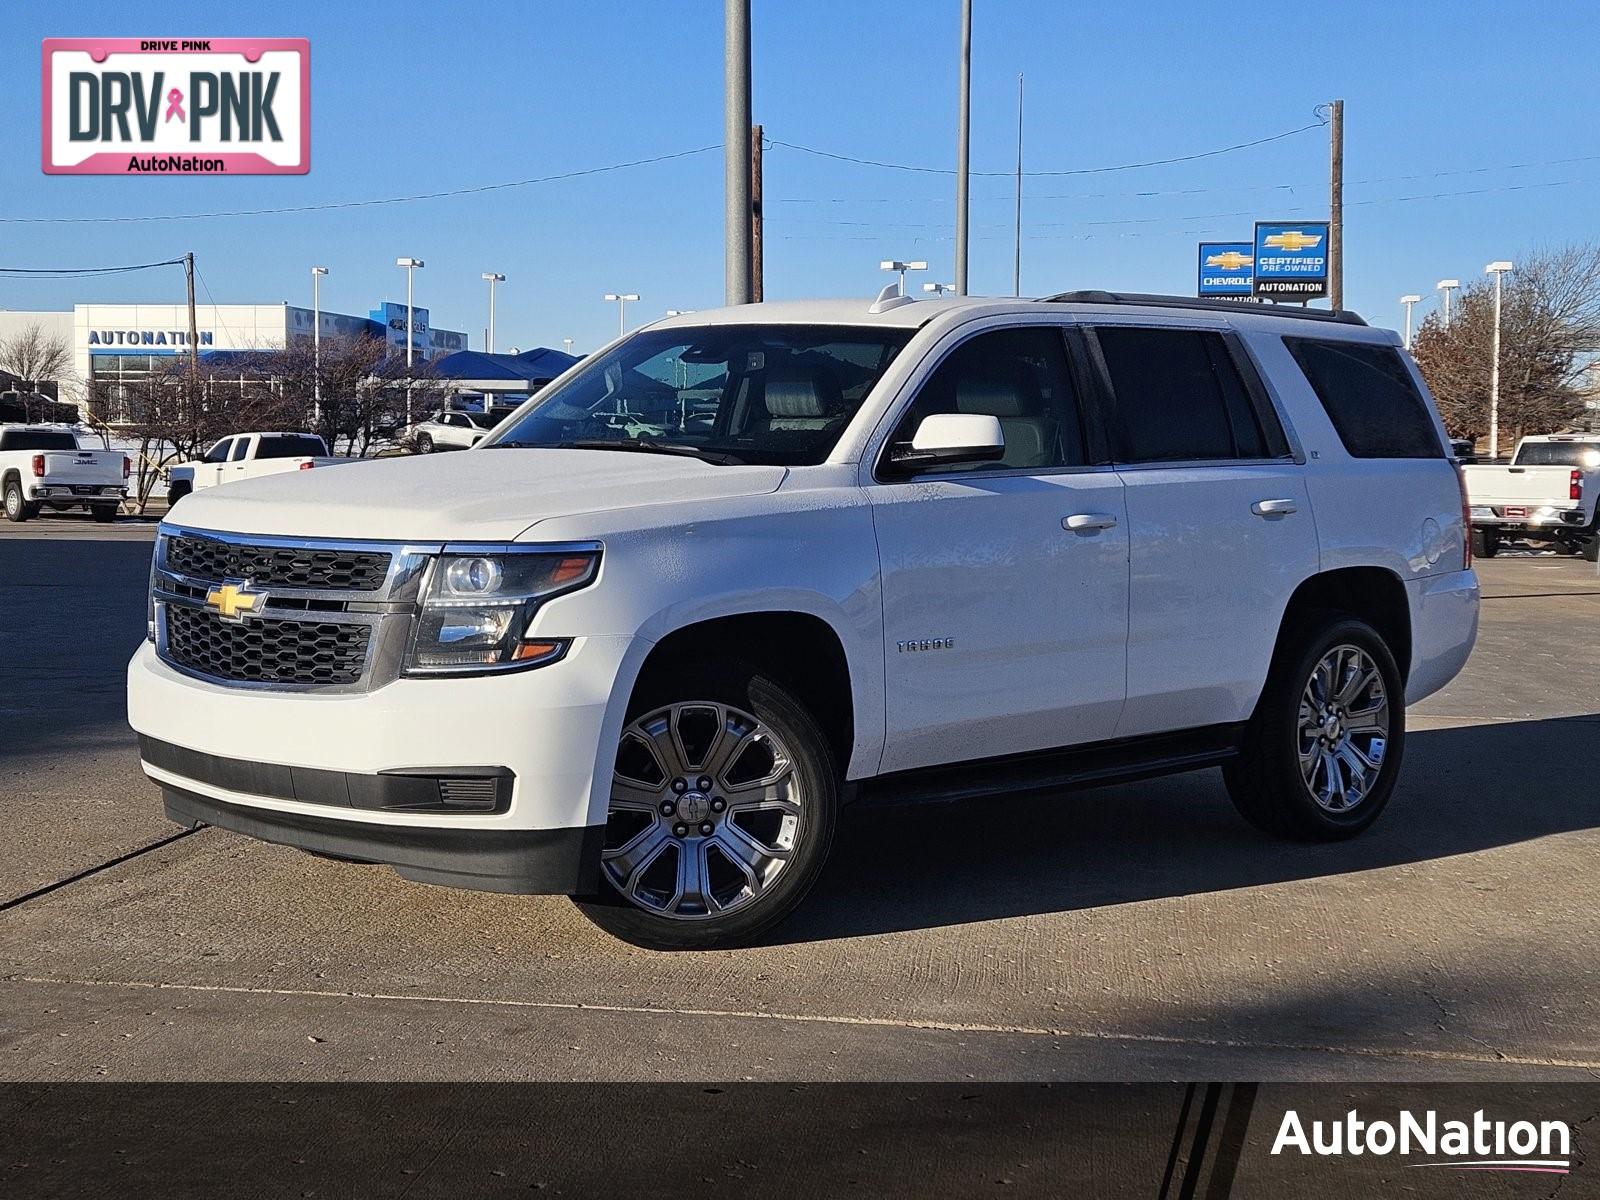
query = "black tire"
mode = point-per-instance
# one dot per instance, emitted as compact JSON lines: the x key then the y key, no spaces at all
{"x":1265,"y":782}
{"x":1485,"y":543}
{"x":17,"y":509}
{"x":424,"y":444}
{"x":1591,"y":548}
{"x":816,"y":774}
{"x":177,"y":492}
{"x":104,"y":513}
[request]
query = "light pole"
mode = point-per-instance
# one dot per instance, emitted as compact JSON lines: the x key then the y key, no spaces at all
{"x":1498,"y":269}
{"x":491,"y":278}
{"x":567,"y":342}
{"x":622,"y":299}
{"x":894,"y":264}
{"x":1446,"y":286}
{"x":409,"y":265}
{"x":1410,"y":302}
{"x":316,"y":345}
{"x":939,"y":289}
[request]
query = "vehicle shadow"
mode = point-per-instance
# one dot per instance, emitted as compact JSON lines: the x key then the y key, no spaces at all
{"x":1462,"y":790}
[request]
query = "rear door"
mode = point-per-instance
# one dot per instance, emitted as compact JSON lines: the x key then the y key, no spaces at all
{"x":1005,"y":584}
{"x":239,"y":461}
{"x":1219,"y":521}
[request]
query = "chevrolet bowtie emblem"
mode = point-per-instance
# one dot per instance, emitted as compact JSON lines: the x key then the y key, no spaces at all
{"x":232,"y":601}
{"x":1229,"y":260}
{"x":1293,"y":239}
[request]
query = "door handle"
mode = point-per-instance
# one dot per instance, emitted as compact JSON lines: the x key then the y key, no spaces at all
{"x":1273,"y":508}
{"x":1088,"y":522}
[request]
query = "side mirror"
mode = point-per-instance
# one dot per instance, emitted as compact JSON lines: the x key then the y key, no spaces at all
{"x":946,"y":439}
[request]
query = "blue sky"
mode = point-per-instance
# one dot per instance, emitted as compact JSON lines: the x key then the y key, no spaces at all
{"x":412,"y":97}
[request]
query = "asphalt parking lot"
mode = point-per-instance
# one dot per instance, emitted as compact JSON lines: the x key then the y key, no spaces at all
{"x":1136,"y":932}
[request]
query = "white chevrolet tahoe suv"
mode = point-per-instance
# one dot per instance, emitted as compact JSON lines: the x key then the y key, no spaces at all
{"x":741,"y":568}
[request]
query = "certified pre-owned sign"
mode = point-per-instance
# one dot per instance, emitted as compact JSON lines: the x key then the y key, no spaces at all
{"x":168,"y":106}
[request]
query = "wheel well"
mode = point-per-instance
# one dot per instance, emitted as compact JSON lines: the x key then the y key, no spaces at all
{"x":1373,"y":594}
{"x":798,"y":650}
{"x":13,"y":475}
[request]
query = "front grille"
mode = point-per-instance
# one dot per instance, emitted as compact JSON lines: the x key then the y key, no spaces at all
{"x":283,"y":566}
{"x":266,"y":651}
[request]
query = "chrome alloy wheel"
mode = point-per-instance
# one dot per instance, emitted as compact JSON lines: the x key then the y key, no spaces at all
{"x":705,"y":811}
{"x":1343,"y":728}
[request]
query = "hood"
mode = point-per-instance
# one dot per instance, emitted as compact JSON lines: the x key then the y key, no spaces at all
{"x":473,"y":495}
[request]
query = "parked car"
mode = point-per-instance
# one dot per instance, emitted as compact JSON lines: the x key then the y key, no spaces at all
{"x":1547,"y":493}
{"x":249,"y":456}
{"x":925,"y":551}
{"x":43,"y":466}
{"x":449,"y":430}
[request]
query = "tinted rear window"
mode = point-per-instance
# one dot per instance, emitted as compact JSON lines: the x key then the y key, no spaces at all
{"x":37,"y":439}
{"x":1556,"y":454}
{"x":1370,"y":397}
{"x":290,"y":447}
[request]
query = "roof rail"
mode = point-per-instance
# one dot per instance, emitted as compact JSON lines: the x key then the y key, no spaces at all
{"x":1093,"y":296}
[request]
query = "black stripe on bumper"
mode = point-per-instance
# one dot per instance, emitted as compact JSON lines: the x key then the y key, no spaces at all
{"x":520,"y":861}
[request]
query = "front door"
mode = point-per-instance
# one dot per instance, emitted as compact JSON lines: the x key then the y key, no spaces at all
{"x":1005,"y":584}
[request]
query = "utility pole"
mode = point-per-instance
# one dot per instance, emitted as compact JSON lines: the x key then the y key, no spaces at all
{"x":1016,"y":262}
{"x":194,"y":328}
{"x":736,"y":149}
{"x":963,"y":147}
{"x":757,"y":231}
{"x":1336,"y":203}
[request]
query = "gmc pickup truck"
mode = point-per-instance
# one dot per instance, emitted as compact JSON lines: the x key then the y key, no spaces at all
{"x":249,"y":456}
{"x":42,"y":466}
{"x":641,"y":651}
{"x":1548,"y":493}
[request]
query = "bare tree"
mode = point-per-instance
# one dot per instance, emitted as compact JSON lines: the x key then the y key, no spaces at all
{"x":41,"y":360}
{"x":1549,"y":336}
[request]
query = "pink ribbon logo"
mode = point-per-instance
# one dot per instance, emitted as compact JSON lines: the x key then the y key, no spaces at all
{"x":175,"y":105}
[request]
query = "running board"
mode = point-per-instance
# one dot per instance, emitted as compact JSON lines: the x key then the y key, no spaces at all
{"x":1061,"y":770}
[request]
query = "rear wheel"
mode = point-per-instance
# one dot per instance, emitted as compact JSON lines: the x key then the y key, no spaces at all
{"x":17,"y":509}
{"x":104,"y":513}
{"x":1485,"y":543}
{"x":1324,"y":747}
{"x":723,"y":804}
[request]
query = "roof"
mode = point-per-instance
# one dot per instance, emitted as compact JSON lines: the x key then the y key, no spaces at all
{"x":539,"y":365}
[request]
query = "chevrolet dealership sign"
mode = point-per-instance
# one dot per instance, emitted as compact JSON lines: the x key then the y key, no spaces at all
{"x":151,"y":106}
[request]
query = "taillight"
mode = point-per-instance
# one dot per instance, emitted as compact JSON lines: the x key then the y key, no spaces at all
{"x":306,"y":466}
{"x":127,"y":466}
{"x":1575,"y":486}
{"x":1466,"y":519}
{"x":38,"y":465}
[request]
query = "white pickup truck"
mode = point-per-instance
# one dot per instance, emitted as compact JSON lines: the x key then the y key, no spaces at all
{"x":42,"y":466}
{"x":249,"y":456}
{"x":1549,"y":492}
{"x":741,"y":568}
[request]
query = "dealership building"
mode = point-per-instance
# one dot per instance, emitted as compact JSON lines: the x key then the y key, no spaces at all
{"x":116,"y":344}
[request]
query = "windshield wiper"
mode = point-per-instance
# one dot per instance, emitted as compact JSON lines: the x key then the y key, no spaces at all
{"x":648,"y":446}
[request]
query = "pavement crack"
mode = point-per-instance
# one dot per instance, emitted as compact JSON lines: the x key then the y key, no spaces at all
{"x":90,"y":872}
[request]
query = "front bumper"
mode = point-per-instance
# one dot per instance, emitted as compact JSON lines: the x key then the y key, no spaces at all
{"x":315,"y":769}
{"x":522,"y":861}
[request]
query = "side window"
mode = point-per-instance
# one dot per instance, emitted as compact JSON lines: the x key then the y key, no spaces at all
{"x":1179,"y":397}
{"x":1370,"y":397}
{"x":241,"y":447}
{"x":219,"y":452}
{"x":1019,"y":376}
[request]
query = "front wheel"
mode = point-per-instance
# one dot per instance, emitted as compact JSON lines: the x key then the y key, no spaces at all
{"x":723,"y":804}
{"x":1323,"y":750}
{"x":1591,"y":548}
{"x":424,"y":444}
{"x":178,"y":491}
{"x":1485,"y":543}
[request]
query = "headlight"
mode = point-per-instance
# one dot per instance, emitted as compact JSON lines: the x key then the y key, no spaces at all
{"x":476,"y":609}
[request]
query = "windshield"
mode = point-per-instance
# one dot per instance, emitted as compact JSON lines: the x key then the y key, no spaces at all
{"x":1558,"y":454}
{"x":775,"y":394}
{"x":37,"y":439}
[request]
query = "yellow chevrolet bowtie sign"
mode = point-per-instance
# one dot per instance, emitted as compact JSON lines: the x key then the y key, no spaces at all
{"x":1292,"y":239}
{"x":1229,"y":260}
{"x":231,"y":602}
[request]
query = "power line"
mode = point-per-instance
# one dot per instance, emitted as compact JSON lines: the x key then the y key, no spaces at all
{"x":1134,"y":166}
{"x":340,"y":204}
{"x":80,"y":272}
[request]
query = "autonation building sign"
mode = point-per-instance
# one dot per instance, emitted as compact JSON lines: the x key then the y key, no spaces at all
{"x":154,"y":106}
